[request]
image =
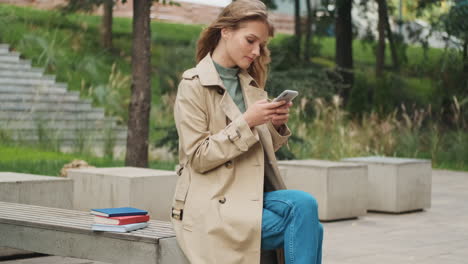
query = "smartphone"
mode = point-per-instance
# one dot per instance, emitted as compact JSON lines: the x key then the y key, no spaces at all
{"x":286,"y":95}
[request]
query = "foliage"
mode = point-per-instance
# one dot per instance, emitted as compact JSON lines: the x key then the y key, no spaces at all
{"x":455,"y":21}
{"x":68,"y":47}
{"x":82,"y":5}
{"x":32,"y":160}
{"x":334,"y":135}
{"x":115,"y":95}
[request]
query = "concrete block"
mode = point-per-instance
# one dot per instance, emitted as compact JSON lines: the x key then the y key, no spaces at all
{"x":170,"y":252}
{"x":147,"y":189}
{"x":397,"y":185}
{"x":339,"y":187}
{"x":36,"y":190}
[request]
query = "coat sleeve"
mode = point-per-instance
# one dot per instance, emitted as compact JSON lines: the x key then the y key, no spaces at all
{"x":280,"y":137}
{"x":205,"y":150}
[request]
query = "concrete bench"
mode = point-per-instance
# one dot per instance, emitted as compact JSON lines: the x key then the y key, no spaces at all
{"x":124,"y":186}
{"x":68,"y":233}
{"x":37,"y":190}
{"x":397,"y":185}
{"x":340,"y":188}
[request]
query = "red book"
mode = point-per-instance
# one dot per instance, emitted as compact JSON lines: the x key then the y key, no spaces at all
{"x":121,"y":220}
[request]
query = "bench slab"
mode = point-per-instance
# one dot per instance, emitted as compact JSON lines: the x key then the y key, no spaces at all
{"x":68,"y":233}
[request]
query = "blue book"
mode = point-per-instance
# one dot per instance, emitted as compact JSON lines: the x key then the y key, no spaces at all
{"x":119,"y":228}
{"x":120,"y":211}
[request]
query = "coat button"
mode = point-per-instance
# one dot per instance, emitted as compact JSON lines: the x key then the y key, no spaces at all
{"x":222,"y":200}
{"x":228,"y":164}
{"x":221,"y":91}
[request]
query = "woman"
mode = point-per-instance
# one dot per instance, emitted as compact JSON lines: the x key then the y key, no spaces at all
{"x":230,"y":200}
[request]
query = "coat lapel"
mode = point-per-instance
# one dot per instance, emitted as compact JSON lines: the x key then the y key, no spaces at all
{"x":252,"y":93}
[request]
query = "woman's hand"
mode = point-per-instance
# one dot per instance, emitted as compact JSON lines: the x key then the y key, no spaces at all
{"x":261,"y":112}
{"x":281,"y":115}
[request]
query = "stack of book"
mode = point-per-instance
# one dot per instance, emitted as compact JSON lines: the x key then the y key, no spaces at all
{"x":121,"y":219}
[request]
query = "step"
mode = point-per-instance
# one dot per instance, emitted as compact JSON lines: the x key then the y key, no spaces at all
{"x":20,"y":65}
{"x":57,"y":88}
{"x":4,"y":49}
{"x":25,"y":73}
{"x":58,"y":124}
{"x":41,"y":107}
{"x":67,"y":134}
{"x":10,"y":57}
{"x":38,"y":98}
{"x":41,"y":97}
{"x":44,"y":80}
{"x":71,"y":118}
{"x":93,"y":114}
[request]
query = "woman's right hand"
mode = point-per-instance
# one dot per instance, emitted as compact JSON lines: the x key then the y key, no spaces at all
{"x":261,"y":112}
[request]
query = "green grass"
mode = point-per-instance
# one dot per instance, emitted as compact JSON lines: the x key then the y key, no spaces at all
{"x":43,"y":162}
{"x":363,"y":53}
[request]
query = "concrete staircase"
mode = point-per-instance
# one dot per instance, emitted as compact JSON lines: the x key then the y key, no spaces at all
{"x":35,"y":108}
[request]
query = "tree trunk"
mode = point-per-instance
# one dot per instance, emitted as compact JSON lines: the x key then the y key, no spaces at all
{"x":310,"y":17}
{"x":106,"y":24}
{"x":140,"y":105}
{"x":465,"y":56}
{"x":380,"y":56}
{"x":391,"y":41}
{"x":344,"y":45}
{"x":297,"y":28}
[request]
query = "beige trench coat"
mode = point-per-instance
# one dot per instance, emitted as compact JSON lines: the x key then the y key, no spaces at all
{"x":218,"y":202}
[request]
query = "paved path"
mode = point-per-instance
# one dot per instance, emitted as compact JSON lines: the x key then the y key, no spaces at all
{"x":436,"y":236}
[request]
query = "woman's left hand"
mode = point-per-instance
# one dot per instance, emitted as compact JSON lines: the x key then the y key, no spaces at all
{"x":281,"y":116}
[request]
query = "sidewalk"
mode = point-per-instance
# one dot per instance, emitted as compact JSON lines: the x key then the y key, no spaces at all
{"x":438,"y":235}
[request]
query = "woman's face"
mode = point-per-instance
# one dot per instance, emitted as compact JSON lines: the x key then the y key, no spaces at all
{"x":243,"y":44}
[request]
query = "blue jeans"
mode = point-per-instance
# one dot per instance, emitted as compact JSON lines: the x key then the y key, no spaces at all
{"x":290,"y":220}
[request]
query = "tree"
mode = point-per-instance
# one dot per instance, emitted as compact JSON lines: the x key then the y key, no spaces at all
{"x":344,"y":45}
{"x":380,"y":55}
{"x":91,"y":5}
{"x":310,"y":21}
{"x":106,"y":24}
{"x":140,"y":105}
{"x":456,"y":25}
{"x":384,"y":31}
{"x":297,"y":28}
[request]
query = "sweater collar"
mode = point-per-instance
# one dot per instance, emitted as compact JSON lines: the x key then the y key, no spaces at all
{"x":208,"y":75}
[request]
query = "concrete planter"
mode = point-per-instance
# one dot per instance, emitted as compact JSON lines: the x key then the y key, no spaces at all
{"x":339,"y":187}
{"x":147,"y":189}
{"x":36,"y":190}
{"x":397,"y":185}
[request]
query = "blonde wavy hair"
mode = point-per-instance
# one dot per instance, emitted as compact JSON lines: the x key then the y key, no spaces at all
{"x":231,"y":17}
